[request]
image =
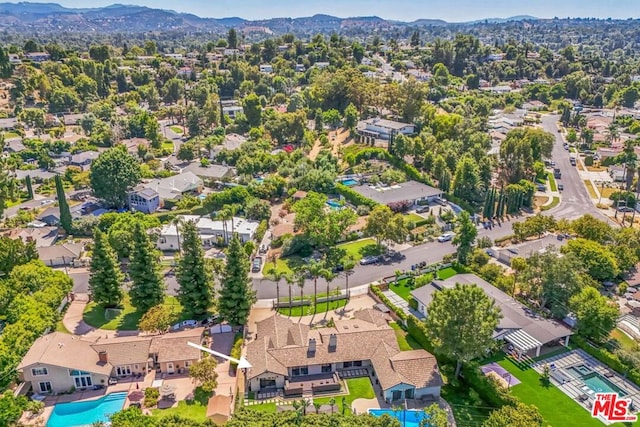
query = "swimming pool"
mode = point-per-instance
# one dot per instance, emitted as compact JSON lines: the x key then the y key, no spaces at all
{"x":599,"y":384}
{"x":580,"y":370}
{"x":407,"y":418}
{"x":333,"y":204}
{"x":349,"y":182}
{"x":86,"y":412}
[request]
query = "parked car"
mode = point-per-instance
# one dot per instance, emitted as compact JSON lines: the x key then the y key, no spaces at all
{"x":337,"y":268}
{"x":46,"y":202}
{"x":211,"y":320}
{"x":369,"y":260}
{"x":257,"y":264}
{"x":445,"y":237}
{"x":422,"y":209}
{"x":185,"y":324}
{"x":627,"y":209}
{"x":541,"y":187}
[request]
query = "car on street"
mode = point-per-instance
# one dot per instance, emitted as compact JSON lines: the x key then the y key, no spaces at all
{"x":627,"y":209}
{"x":256,"y":265}
{"x":372,"y":259}
{"x":185,"y":324}
{"x":211,"y":320}
{"x":560,"y":187}
{"x":337,"y":268}
{"x":445,"y":237}
{"x":46,"y":202}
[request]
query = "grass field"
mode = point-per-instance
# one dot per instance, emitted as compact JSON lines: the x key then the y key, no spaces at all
{"x":625,"y":341}
{"x":127,"y":320}
{"x":321,"y":307}
{"x":357,"y":248}
{"x":607,"y":192}
{"x":195,"y":409}
{"x":445,"y":273}
{"x":552,"y":182}
{"x":282,"y":265}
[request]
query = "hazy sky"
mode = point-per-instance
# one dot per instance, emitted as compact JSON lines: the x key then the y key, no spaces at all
{"x":407,"y":10}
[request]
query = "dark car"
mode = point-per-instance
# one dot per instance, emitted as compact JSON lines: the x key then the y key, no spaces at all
{"x":337,"y":268}
{"x":369,"y":260}
{"x":560,"y":187}
{"x":422,"y":209}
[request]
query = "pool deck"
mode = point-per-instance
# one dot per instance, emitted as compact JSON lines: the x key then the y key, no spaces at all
{"x":576,"y":388}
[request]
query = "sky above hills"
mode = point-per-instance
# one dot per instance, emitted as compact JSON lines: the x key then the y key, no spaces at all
{"x":405,"y":10}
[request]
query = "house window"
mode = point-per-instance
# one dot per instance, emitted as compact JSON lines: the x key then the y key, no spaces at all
{"x":267,"y":383}
{"x":123,"y":370}
{"x":187,"y":363}
{"x":347,"y":364}
{"x":45,"y":387}
{"x":75,"y":373}
{"x":326,"y":368}
{"x":396,"y":395}
{"x":408,"y":394}
{"x":39,"y":372}
{"x":357,"y":363}
{"x":83,"y":381}
{"x":301,"y":370}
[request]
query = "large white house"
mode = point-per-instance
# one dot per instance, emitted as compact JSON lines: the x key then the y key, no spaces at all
{"x":383,"y":128}
{"x":210,"y":231}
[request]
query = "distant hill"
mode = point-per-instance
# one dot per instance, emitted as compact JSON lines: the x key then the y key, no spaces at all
{"x":43,"y":17}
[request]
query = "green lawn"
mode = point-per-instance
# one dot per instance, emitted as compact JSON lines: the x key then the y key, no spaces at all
{"x":625,"y":341}
{"x":128,"y":318}
{"x":322,"y":307}
{"x":9,"y":135}
{"x":445,"y":273}
{"x":557,"y":408}
{"x":402,"y":289}
{"x":555,"y":202}
{"x":552,"y":182}
{"x":405,"y":341}
{"x":283,"y":265}
{"x":167,"y":145}
{"x":263,"y":407}
{"x":195,"y":409}
{"x":176,"y":129}
{"x":412,"y":218}
{"x":358,"y":248}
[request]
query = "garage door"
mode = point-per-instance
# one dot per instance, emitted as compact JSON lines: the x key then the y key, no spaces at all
{"x":219,"y":329}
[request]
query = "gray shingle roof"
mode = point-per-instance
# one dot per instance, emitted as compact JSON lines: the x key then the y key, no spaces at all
{"x":410,"y":190}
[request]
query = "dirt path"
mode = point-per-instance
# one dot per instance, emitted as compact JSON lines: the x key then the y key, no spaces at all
{"x":336,"y":139}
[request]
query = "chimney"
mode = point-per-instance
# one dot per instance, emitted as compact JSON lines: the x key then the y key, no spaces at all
{"x":333,"y":343}
{"x":311,"y":351}
{"x":102,"y":356}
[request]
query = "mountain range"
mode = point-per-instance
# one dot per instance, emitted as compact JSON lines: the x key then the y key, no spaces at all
{"x":51,"y":17}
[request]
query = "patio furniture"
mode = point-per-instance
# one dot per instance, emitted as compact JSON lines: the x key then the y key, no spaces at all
{"x":609,"y":374}
{"x":583,"y":397}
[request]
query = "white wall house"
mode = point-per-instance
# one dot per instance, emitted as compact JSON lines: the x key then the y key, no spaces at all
{"x":382,"y":128}
{"x":210,"y":231}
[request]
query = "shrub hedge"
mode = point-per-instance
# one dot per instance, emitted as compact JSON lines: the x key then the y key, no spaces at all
{"x":353,"y":197}
{"x":608,"y":358}
{"x":388,"y":303}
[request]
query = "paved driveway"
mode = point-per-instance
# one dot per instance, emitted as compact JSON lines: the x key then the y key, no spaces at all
{"x":222,"y":343}
{"x":399,"y":302}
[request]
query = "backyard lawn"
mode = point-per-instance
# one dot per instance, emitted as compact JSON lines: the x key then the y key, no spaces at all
{"x":357,"y":248}
{"x":625,"y":341}
{"x":557,"y":408}
{"x":405,"y":341}
{"x":195,"y":409}
{"x":321,"y":307}
{"x":445,"y":273}
{"x":127,"y":319}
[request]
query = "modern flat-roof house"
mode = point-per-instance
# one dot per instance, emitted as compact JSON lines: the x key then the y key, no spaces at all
{"x":145,"y":200}
{"x":297,"y":360}
{"x":411,"y":191}
{"x":383,"y":128}
{"x":57,"y":362}
{"x":519,"y":326}
{"x":210,"y":231}
{"x":174,"y":187}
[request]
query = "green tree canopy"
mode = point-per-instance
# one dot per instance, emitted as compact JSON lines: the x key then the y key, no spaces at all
{"x":105,"y":281}
{"x":147,"y":289}
{"x":195,"y":279}
{"x":597,"y":315}
{"x":113,"y":174}
{"x":236,"y":294}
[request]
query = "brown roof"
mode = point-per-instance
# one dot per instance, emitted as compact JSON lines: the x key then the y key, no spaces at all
{"x":56,"y":349}
{"x":219,"y":405}
{"x":282,"y":229}
{"x":173,"y":347}
{"x":125,"y":350}
{"x":282,"y":344}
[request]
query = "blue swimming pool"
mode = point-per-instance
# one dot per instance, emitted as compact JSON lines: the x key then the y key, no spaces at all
{"x":334,"y":204}
{"x":86,"y":412}
{"x":600,"y":384}
{"x":350,"y":182}
{"x":407,"y":418}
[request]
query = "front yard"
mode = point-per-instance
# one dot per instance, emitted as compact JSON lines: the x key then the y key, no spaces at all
{"x":306,"y":310}
{"x":127,"y":318}
{"x":446,"y":273}
{"x":359,"y":248}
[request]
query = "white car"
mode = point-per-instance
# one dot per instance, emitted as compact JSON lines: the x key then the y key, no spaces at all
{"x":46,"y":202}
{"x":445,"y":237}
{"x":186,"y":324}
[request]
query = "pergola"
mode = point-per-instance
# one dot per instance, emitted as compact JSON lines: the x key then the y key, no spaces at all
{"x":523,"y":342}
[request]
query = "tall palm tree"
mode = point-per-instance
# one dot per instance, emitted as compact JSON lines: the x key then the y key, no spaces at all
{"x":223,"y":215}
{"x":290,"y":281}
{"x":299,"y":280}
{"x":328,"y":276}
{"x":276,"y":276}
{"x":348,"y":264}
{"x":177,"y":221}
{"x":315,"y":270}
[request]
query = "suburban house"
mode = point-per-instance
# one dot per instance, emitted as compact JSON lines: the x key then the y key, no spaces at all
{"x":617,"y":173}
{"x":526,"y":331}
{"x":145,"y":200}
{"x":37,"y":56}
{"x":231,"y":142}
{"x":60,"y":255}
{"x":291,"y":357}
{"x":50,"y":216}
{"x":210,"y":231}
{"x":211,"y":172}
{"x":41,"y":236}
{"x":58,"y":362}
{"x":8,"y":123}
{"x":266,"y":68}
{"x":83,"y":160}
{"x":232,"y":111}
{"x":174,"y":187}
{"x":383,"y":128}
{"x":410,"y":191}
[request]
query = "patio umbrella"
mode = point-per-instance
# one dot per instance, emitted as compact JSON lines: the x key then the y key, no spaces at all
{"x":136,"y":396}
{"x":167,"y":389}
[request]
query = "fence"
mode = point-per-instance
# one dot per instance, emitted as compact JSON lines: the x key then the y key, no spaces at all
{"x":305,"y":302}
